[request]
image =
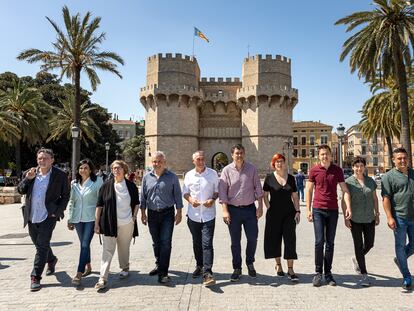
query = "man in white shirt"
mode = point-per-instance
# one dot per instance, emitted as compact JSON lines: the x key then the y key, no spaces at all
{"x":200,"y":189}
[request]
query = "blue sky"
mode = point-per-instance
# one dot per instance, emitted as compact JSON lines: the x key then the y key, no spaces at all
{"x":302,"y":30}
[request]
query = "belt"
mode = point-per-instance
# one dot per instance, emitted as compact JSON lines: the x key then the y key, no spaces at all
{"x":241,"y":206}
{"x":162,"y":210}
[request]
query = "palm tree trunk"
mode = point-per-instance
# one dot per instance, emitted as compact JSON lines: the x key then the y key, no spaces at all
{"x":77,"y":109}
{"x":389,"y":145}
{"x":401,"y":74}
{"x":18,"y":157}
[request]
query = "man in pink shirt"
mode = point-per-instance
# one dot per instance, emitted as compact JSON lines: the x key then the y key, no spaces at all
{"x":324,"y":178}
{"x":239,"y":188}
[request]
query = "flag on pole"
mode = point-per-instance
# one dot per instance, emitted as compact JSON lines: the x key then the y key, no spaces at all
{"x":198,"y":33}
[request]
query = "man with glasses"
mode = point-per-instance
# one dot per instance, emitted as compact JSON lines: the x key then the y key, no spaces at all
{"x":47,"y":194}
{"x":160,"y":192}
{"x":397,"y":189}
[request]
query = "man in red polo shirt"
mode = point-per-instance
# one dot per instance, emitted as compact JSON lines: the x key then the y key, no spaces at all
{"x":324,"y":179}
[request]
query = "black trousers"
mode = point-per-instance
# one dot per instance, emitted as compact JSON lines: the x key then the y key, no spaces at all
{"x":363,"y":235}
{"x":41,"y":234}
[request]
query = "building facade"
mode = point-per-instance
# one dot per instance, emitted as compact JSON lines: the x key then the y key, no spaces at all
{"x":125,"y":129}
{"x":307,"y":135}
{"x":185,"y":113}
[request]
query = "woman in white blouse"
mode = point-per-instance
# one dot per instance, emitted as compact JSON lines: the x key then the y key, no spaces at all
{"x":116,"y":215}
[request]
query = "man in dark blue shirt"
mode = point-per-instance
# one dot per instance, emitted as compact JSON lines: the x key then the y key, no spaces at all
{"x":160,"y":192}
{"x":300,"y":184}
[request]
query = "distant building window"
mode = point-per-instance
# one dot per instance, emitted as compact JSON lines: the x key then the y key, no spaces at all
{"x":324,"y":139}
{"x":312,"y":140}
{"x":295,"y":152}
{"x":303,"y":155}
{"x":375,"y":161}
{"x":295,"y":131}
{"x":312,"y":153}
{"x":303,"y":139}
{"x":295,"y":140}
{"x":363,"y":150}
{"x":303,"y":131}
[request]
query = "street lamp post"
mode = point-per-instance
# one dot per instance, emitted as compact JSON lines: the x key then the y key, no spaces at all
{"x":75,"y":136}
{"x":116,"y":155}
{"x":107,"y":146}
{"x":340,"y":131}
{"x":288,"y":144}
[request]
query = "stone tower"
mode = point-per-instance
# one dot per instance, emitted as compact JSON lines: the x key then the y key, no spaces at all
{"x":185,"y":113}
{"x":171,"y":99}
{"x":267,"y":101}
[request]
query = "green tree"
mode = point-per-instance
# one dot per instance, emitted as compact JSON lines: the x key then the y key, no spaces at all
{"x":384,"y":44}
{"x":76,"y":51}
{"x":134,"y":150}
{"x":63,"y":121}
{"x":29,"y":111}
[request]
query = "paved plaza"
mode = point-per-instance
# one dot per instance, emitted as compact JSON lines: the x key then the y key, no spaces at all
{"x":142,"y":292}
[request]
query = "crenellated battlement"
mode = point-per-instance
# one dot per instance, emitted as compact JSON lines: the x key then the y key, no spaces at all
{"x":171,"y":56}
{"x":268,"y":57}
{"x":220,"y":80}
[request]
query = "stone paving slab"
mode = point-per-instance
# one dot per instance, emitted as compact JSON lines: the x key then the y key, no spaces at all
{"x":142,"y":292}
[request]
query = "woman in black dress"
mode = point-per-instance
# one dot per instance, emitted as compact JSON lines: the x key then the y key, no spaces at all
{"x":283,"y":213}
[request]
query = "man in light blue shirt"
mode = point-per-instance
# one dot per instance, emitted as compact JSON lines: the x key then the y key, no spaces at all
{"x":159,"y":193}
{"x":47,"y":194}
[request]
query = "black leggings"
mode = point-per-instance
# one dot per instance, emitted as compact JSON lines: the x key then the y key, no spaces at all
{"x":363,"y":235}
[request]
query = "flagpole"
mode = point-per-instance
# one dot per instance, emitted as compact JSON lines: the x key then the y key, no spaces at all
{"x":193,"y":44}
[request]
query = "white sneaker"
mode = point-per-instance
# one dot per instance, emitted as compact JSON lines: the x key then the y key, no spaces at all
{"x":123,"y":274}
{"x":355,"y":265}
{"x":364,"y":282}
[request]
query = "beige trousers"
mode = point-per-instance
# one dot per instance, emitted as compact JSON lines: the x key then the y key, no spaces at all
{"x":123,"y":241}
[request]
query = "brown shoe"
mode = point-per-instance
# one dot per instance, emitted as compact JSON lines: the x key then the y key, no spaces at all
{"x":87,"y":272}
{"x":76,"y":280}
{"x":208,"y":279}
{"x":51,"y":266}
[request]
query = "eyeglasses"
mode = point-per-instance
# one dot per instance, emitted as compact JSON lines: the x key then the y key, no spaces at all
{"x":117,"y":168}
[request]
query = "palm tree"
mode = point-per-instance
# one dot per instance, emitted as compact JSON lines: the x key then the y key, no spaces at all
{"x":381,"y":113}
{"x":9,"y":131}
{"x":384,"y":45}
{"x":28,"y":111}
{"x":63,"y":120}
{"x":74,"y":52}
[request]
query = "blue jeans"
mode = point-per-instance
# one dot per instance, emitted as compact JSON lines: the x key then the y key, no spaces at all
{"x":203,"y":234}
{"x":324,"y":225}
{"x":245,"y":216}
{"x":301,"y":193}
{"x":161,"y":226}
{"x":405,"y":228}
{"x":85,"y":233}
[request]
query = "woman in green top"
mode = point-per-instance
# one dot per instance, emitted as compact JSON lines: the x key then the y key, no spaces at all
{"x":365,"y":215}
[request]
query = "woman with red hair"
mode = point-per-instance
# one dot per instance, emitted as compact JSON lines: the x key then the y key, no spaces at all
{"x":283,"y":213}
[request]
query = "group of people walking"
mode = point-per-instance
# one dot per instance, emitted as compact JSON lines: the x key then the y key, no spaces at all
{"x":111,"y":208}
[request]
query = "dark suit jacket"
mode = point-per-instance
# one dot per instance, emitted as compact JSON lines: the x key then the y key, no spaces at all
{"x":57,"y":194}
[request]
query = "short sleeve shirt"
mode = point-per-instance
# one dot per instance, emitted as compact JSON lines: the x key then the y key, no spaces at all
{"x":325,"y":182}
{"x":362,"y":199}
{"x":399,"y":188}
